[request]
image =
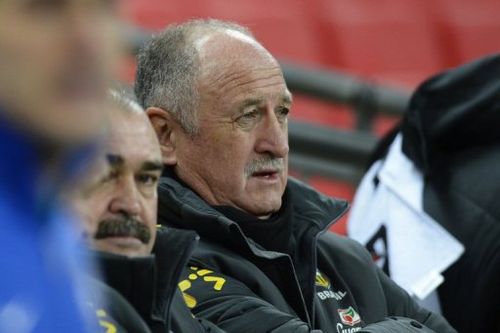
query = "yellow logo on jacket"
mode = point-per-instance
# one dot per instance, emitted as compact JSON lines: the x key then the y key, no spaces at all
{"x":207,"y":276}
{"x":322,"y":280}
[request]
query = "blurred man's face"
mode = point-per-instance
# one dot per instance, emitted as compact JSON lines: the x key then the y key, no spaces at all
{"x":119,"y":204}
{"x":239,"y":156}
{"x":57,"y":58}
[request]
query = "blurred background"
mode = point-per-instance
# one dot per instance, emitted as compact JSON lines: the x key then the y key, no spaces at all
{"x":351,"y":65}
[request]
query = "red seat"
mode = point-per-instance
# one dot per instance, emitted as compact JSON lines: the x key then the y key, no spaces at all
{"x":150,"y":14}
{"x":383,"y":124}
{"x":469,"y":28}
{"x":283,"y":26}
{"x":370,"y":37}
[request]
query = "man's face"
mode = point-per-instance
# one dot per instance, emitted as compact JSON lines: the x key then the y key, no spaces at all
{"x":57,"y":58}
{"x":239,"y":156}
{"x":119,"y":204}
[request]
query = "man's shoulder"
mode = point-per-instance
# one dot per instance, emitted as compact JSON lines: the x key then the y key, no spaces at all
{"x":343,"y":249}
{"x":174,"y":237}
{"x":176,"y":199}
{"x":112,"y":311}
{"x":313,"y":205}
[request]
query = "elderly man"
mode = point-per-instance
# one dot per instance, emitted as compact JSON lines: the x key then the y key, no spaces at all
{"x":56,"y":62}
{"x":118,"y":207}
{"x":219,"y":104}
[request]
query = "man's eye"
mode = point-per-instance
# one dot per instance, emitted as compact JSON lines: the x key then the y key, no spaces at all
{"x":148,"y":180}
{"x":109,"y":177}
{"x":282,"y":112}
{"x":249,"y":115}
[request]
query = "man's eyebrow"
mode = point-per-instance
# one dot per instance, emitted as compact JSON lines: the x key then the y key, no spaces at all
{"x":115,"y":161}
{"x":287,"y":98}
{"x":152,"y":166}
{"x":249,"y":102}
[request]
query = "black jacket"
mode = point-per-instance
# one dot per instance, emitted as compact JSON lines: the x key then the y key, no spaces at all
{"x":112,"y":312}
{"x":330,"y":284}
{"x":150,"y":283}
{"x":452,"y":133}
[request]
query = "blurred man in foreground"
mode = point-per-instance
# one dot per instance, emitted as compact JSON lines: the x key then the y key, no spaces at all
{"x":119,"y":206}
{"x":55,"y":65}
{"x":219,"y":104}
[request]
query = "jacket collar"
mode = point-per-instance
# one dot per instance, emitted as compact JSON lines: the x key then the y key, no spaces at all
{"x":181,"y":207}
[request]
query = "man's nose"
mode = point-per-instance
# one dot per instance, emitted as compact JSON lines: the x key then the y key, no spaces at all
{"x":127,"y":199}
{"x":273,"y":135}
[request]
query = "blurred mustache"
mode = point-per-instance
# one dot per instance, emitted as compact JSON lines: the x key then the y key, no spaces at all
{"x":263,"y":164}
{"x":125,"y":226}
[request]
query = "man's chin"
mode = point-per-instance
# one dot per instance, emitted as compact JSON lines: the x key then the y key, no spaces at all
{"x":125,"y":246}
{"x":265,"y":209}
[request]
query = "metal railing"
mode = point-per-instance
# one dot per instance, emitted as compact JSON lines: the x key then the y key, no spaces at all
{"x":364,"y":97}
{"x":318,"y":150}
{"x":331,"y":152}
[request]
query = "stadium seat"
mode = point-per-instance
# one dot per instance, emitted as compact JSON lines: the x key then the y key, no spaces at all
{"x":283,"y":26}
{"x":469,"y":28}
{"x":384,"y":36}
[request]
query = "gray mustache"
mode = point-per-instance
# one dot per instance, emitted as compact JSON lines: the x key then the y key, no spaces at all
{"x":266,"y":163}
{"x":123,"y":227}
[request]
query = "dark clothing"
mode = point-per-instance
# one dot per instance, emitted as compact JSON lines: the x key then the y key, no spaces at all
{"x":451,"y":132}
{"x":275,"y":234}
{"x":454,"y":112}
{"x":393,"y":324}
{"x":112,"y":312}
{"x":150,"y":283}
{"x":329,"y":284}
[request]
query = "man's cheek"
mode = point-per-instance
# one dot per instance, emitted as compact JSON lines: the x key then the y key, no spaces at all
{"x":89,"y":230}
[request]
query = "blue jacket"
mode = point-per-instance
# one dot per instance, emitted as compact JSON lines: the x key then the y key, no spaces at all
{"x":40,"y":258}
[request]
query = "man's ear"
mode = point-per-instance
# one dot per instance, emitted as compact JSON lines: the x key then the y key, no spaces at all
{"x":165,"y":127}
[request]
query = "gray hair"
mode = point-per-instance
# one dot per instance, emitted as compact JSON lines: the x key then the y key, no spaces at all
{"x":168,"y":67}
